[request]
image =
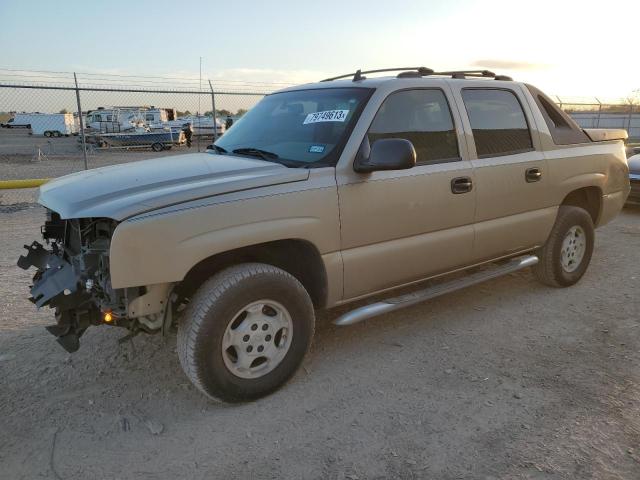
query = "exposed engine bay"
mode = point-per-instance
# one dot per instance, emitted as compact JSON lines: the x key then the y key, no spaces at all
{"x":73,"y":278}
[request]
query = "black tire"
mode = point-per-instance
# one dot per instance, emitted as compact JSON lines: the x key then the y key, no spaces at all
{"x":210,"y":312}
{"x":550,"y":269}
{"x":47,"y":133}
{"x":157,"y":147}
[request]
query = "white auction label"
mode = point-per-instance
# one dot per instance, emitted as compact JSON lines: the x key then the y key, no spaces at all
{"x":326,"y":116}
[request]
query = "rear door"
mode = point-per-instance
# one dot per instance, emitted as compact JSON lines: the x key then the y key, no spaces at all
{"x":404,"y":225}
{"x":512,"y":211}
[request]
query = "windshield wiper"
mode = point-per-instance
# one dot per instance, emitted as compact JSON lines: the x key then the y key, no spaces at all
{"x":257,"y":152}
{"x":218,"y":149}
{"x":269,"y":157}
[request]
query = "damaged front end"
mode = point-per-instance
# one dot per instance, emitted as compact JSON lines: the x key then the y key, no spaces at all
{"x":73,"y":278}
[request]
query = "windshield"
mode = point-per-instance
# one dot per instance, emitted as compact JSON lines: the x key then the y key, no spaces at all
{"x":301,"y":127}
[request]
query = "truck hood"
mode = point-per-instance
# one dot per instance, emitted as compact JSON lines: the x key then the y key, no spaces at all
{"x":121,"y":191}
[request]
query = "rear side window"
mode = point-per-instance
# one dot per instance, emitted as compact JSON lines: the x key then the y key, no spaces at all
{"x":498,"y":122}
{"x":423,"y":117}
{"x":564,"y":130}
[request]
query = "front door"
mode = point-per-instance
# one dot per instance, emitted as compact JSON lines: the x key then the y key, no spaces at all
{"x":401,"y":226}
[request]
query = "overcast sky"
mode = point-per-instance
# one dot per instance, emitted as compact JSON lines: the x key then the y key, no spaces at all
{"x":580,"y":48}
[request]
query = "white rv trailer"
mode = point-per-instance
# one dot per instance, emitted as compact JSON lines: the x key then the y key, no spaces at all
{"x":118,"y":119}
{"x":53,"y":124}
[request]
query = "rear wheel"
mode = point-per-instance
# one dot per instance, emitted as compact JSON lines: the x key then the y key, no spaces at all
{"x":245,"y":332}
{"x":566,"y":255}
{"x":157,"y":147}
{"x":47,"y":133}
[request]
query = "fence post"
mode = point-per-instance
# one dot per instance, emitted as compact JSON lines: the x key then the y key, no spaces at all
{"x":213,"y":108}
{"x":599,"y":112}
{"x":81,"y":121}
{"x":629,"y":121}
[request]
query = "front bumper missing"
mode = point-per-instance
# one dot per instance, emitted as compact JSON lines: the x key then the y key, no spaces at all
{"x":56,"y":284}
{"x":56,"y":275}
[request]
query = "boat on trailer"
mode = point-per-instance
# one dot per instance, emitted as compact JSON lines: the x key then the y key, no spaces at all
{"x":156,"y":140}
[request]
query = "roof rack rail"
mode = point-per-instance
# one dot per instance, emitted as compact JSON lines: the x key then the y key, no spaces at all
{"x":413,"y":72}
{"x":468,"y":73}
{"x":358,"y":74}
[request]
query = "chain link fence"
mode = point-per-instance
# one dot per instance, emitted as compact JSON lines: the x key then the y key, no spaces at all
{"x":604,"y":113}
{"x":59,"y":123}
{"x":56,"y":128}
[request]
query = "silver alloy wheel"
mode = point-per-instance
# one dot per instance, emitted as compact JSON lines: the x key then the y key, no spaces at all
{"x":257,"y":339}
{"x":574,"y":247}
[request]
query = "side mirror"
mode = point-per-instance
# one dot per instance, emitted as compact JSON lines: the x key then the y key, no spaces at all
{"x":385,"y":154}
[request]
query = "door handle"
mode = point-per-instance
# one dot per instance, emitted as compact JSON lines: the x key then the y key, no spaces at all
{"x":532,"y":174}
{"x":461,"y":185}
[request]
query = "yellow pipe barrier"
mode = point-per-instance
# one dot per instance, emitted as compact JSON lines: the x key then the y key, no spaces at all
{"x":29,"y":183}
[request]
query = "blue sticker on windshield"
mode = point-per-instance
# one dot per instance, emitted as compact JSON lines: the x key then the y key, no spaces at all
{"x":316,"y":149}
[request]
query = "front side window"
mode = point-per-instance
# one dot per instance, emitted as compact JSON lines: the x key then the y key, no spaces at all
{"x":421,"y":116}
{"x":498,"y":122}
{"x":297,"y":128}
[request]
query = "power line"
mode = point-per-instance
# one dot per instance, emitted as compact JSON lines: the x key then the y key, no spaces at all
{"x":155,"y":77}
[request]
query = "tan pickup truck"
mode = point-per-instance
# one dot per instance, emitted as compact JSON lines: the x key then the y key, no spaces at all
{"x":321,"y":195}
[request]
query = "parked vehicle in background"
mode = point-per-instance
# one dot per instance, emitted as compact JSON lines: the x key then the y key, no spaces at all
{"x":20,"y":120}
{"x":634,"y":179}
{"x":323,"y":195}
{"x":157,"y":140}
{"x":119,"y":119}
{"x":201,"y":125}
{"x":54,"y":124}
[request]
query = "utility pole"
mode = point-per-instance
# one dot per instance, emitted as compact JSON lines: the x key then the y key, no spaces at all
{"x":213,"y":106}
{"x":81,"y":120}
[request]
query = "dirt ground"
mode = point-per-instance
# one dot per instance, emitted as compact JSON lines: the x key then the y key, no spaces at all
{"x":510,"y":379}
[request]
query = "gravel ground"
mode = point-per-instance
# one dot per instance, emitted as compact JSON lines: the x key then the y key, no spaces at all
{"x":19,"y":160}
{"x":510,"y":379}
{"x":62,"y":157}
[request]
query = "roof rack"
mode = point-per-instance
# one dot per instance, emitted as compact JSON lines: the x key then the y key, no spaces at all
{"x":358,"y":75}
{"x":414,"y":72}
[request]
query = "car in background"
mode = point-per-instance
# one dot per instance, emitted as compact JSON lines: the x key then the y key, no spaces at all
{"x":634,"y":179}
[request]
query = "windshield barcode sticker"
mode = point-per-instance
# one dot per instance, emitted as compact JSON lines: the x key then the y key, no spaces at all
{"x":326,"y":116}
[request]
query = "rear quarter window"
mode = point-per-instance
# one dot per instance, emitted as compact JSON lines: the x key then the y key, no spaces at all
{"x":563,"y":129}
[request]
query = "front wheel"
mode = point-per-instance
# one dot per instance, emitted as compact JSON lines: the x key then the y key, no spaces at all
{"x":566,"y":254}
{"x":157,"y":147}
{"x":245,"y":332}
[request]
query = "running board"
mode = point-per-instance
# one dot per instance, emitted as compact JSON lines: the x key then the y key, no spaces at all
{"x":396,"y":303}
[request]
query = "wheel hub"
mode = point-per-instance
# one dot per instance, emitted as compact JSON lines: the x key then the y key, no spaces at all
{"x":574,"y":247}
{"x":257,"y":339}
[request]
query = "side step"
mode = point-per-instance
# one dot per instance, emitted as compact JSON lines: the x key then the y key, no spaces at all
{"x":396,"y":303}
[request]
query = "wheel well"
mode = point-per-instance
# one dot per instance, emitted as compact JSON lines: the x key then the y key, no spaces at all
{"x":297,"y":257}
{"x":588,"y":198}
